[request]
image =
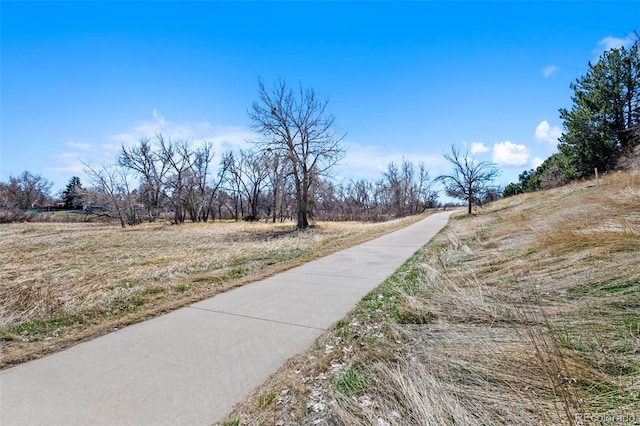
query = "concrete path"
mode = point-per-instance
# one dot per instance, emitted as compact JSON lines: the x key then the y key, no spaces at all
{"x":193,"y":365}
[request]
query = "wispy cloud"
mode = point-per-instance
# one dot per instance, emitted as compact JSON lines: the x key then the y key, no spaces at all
{"x":223,"y":137}
{"x":71,"y":159}
{"x":370,"y":162}
{"x":548,"y":134}
{"x":610,"y":42}
{"x":68,"y":162}
{"x":79,"y":145}
{"x":536,"y":162}
{"x":157,"y":116}
{"x":508,"y":154}
{"x":549,"y":71}
{"x":479,"y":147}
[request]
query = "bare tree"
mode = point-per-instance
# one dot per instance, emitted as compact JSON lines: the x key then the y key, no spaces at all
{"x":396,"y":191}
{"x":426,"y":196}
{"x":179,"y":158}
{"x":327,"y":200}
{"x":298,"y":126}
{"x":254,"y":178}
{"x":405,"y":189}
{"x":469,"y":179}
{"x":196,"y":199}
{"x":115,"y":184}
{"x":356,"y":200}
{"x":27,"y":191}
{"x":147,"y":164}
{"x":278,"y":179}
{"x":173,"y":172}
{"x":233,"y":181}
{"x":213,"y":190}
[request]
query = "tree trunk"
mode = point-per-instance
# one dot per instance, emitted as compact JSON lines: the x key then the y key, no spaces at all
{"x":303,"y":223}
{"x":302,"y":220}
{"x":275,"y":203}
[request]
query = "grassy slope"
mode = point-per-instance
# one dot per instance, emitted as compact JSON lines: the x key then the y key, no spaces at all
{"x":527,"y":313}
{"x":65,"y":282}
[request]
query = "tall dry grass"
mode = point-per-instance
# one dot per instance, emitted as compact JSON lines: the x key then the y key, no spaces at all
{"x":61,"y":282}
{"x":539,"y":300}
{"x":527,"y":313}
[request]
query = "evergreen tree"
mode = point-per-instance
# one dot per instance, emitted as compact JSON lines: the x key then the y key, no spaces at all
{"x":72,"y":195}
{"x":555,"y":171}
{"x":604,"y":121}
{"x":511,"y":190}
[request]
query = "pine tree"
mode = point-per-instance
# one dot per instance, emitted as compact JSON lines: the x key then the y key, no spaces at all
{"x":605,"y":118}
{"x":72,"y":195}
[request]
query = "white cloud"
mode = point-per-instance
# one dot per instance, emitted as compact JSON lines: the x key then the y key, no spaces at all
{"x":361,"y":161}
{"x":548,"y":134}
{"x":614,"y":42}
{"x":79,"y":145}
{"x":479,"y":147}
{"x":158,"y":117}
{"x":549,"y":71}
{"x":369,"y":162}
{"x":610,"y":42}
{"x":508,"y":154}
{"x":223,"y":137}
{"x":536,"y":162}
{"x":68,"y":162}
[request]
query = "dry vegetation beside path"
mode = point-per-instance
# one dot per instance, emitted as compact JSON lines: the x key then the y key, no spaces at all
{"x":65,"y":282}
{"x":527,"y":313}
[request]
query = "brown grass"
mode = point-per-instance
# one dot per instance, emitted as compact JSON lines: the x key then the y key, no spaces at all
{"x":529,"y":313}
{"x":64,"y":282}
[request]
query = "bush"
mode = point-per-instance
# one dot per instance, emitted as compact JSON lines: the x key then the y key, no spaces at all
{"x":15,"y":215}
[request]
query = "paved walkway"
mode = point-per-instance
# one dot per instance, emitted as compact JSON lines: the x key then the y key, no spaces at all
{"x":193,"y":365}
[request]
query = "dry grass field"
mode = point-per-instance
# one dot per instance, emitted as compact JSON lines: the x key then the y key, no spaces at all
{"x":526,"y":313}
{"x":64,"y":282}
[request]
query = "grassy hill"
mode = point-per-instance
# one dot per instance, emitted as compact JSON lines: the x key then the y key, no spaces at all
{"x":527,"y":312}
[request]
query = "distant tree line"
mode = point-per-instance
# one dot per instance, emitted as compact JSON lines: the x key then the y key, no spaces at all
{"x":146,"y":185}
{"x":178,"y":181}
{"x":601,"y":129}
{"x":285,"y":175}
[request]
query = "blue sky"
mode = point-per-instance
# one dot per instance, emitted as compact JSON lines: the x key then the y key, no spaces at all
{"x":403,"y":79}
